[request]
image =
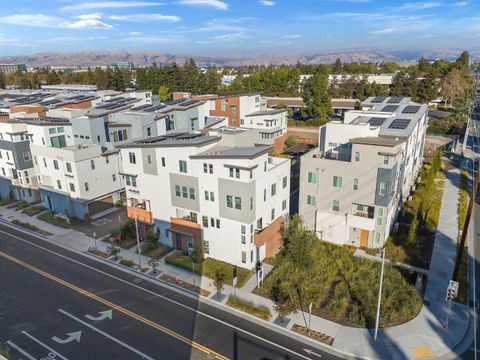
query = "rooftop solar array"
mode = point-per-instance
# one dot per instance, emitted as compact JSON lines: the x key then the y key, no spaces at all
{"x":50,"y":102}
{"x":399,"y":124}
{"x":141,"y":107}
{"x":379,"y":99}
{"x":395,"y":100}
{"x":188,"y":103}
{"x":411,"y":109}
{"x":375,"y":121}
{"x":390,"y":108}
{"x":155,"y":108}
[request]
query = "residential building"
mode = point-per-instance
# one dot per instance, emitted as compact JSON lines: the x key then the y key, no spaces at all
{"x":353,"y":185}
{"x":9,"y":69}
{"x":235,"y":108}
{"x":215,"y":190}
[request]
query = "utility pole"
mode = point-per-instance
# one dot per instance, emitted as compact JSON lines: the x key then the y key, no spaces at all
{"x":461,"y":245}
{"x":379,"y":297}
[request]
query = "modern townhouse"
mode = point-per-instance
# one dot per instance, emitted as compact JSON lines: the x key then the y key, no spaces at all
{"x":235,"y":108}
{"x":215,"y":190}
{"x":353,"y":185}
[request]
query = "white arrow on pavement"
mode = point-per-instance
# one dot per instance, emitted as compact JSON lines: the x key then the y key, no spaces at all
{"x":311,"y":352}
{"x":107,"y":314}
{"x":74,"y":336}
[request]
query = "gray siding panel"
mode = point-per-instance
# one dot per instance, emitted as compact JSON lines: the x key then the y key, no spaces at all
{"x":387,"y":176}
{"x":150,"y":169}
{"x":237,"y":189}
{"x":18,"y":148}
{"x":181,"y":202}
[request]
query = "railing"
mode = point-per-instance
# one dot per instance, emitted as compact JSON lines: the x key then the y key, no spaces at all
{"x":141,"y":215}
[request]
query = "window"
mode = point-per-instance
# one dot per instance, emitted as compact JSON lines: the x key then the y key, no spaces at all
{"x":1,"y":154}
{"x":149,"y":131}
{"x":332,"y":144}
{"x":207,"y":197}
{"x":251,"y":255}
{"x":264,"y":194}
{"x":191,"y":192}
{"x":238,"y":203}
{"x":337,"y":181}
{"x":55,"y":164}
{"x":379,"y":216}
{"x":377,"y":238}
{"x":212,"y":222}
{"x":60,"y":129}
{"x":178,"y":191}
{"x":385,"y":162}
{"x":229,"y":201}
{"x":205,"y":168}
{"x":184,"y":192}
{"x":3,"y":171}
{"x":69,"y":167}
{"x":274,"y":189}
{"x":206,"y":247}
{"x":8,"y":155}
{"x":336,"y":205}
{"x":230,"y":170}
{"x":260,"y":224}
{"x":237,"y":173}
{"x":272,"y":214}
{"x":86,"y":186}
{"x":72,"y":187}
{"x":163,"y":162}
{"x":98,"y":138}
{"x":243,"y":237}
{"x":182,"y":164}
{"x":59,"y":184}
{"x":251,"y":203}
{"x":52,"y":131}
{"x":355,"y":184}
{"x":243,"y":229}
{"x":58,"y":141}
{"x":311,"y":199}
{"x":92,"y":164}
{"x":149,"y":159}
{"x":265,"y":166}
{"x":212,"y":197}
{"x":284,"y":205}
{"x":44,"y":161}
{"x":26,"y":156}
{"x":130,"y":181}
{"x":132,"y":158}
{"x":382,"y":188}
{"x":210,"y":168}
{"x":114,"y":177}
{"x":205,"y":221}
{"x":312,"y":178}
{"x":284,"y":182}
{"x":357,"y":156}
{"x":244,"y":257}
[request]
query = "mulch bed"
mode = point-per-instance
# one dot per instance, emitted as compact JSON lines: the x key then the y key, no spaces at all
{"x":185,"y":285}
{"x":315,"y":335}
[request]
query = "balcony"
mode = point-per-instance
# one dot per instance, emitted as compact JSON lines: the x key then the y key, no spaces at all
{"x":338,"y":155}
{"x":140,"y":214}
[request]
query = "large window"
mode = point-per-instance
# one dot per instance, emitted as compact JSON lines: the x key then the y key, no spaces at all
{"x":379,"y":216}
{"x":191,"y":192}
{"x":58,"y":141}
{"x":355,"y":184}
{"x":178,"y":191}
{"x":132,"y":158}
{"x":312,"y":178}
{"x":336,"y":205}
{"x":229,"y":201}
{"x":69,"y":167}
{"x":382,"y":188}
{"x":337,"y":181}
{"x":131,"y":181}
{"x":311,"y":199}
{"x":238,"y":203}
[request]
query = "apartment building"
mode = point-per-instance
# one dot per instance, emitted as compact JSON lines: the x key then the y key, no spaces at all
{"x":215,"y":190}
{"x":235,"y":108}
{"x":75,"y":180}
{"x":353,"y":185}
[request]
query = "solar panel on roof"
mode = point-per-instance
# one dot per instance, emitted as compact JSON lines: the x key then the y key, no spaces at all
{"x":390,"y":108}
{"x":411,"y":109}
{"x":378,"y":99}
{"x":376,"y":121}
{"x":141,"y":107}
{"x":399,"y":124}
{"x":188,"y":102}
{"x":155,"y":108}
{"x":395,"y":99}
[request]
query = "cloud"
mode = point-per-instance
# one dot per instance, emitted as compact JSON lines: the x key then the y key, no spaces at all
{"x":145,"y":17}
{"x":35,"y":20}
{"x":294,"y":36}
{"x":160,"y":39}
{"x":267,"y":2}
{"x":108,"y":5}
{"x":460,"y":3}
{"x":419,"y":6}
{"x":7,"y":40}
{"x":217,"y":4}
{"x":223,"y":25}
{"x":232,"y":37}
{"x":384,"y":31}
{"x":87,"y":21}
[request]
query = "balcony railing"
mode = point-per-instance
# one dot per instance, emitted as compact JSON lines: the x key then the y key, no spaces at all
{"x":141,"y":215}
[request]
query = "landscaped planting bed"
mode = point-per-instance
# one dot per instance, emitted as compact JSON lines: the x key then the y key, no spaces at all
{"x":315,"y":335}
{"x":50,"y":217}
{"x":249,"y":307}
{"x":30,"y":227}
{"x":33,"y":210}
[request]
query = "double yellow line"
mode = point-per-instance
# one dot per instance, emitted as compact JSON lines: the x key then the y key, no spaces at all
{"x":133,"y":315}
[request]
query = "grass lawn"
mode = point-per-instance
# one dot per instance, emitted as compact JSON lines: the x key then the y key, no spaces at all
{"x":50,"y":218}
{"x":209,"y":267}
{"x":33,"y":210}
{"x":248,"y":307}
{"x":344,"y":288}
{"x":420,"y":253}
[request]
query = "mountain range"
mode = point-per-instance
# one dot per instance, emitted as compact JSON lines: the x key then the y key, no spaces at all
{"x":146,"y":58}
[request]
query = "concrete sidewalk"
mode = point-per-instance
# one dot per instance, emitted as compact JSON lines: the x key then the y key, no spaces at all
{"x":421,"y":338}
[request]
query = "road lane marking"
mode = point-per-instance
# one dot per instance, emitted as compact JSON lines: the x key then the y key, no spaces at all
{"x":116,"y":307}
{"x":103,"y":315}
{"x":176,"y":291}
{"x":138,"y":352}
{"x":20,"y":350}
{"x":74,"y":336}
{"x":44,"y":345}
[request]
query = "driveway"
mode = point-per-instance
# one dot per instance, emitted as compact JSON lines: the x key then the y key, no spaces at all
{"x":103,"y":225}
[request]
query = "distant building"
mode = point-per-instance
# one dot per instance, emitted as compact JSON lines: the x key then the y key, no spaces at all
{"x":8,"y":69}
{"x":122,"y":65}
{"x":70,"y":88}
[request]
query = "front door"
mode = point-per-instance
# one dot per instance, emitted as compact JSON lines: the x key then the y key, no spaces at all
{"x":178,"y":241}
{"x":363,"y":238}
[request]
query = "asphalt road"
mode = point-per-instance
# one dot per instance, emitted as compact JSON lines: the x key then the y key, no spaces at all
{"x":53,"y":303}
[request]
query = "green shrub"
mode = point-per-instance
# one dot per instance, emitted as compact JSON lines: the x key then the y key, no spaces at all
{"x":249,"y":307}
{"x":127,"y":262}
{"x":33,"y":210}
{"x":50,"y":218}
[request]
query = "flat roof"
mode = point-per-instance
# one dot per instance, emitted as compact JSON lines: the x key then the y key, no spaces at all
{"x":380,"y":141}
{"x":249,"y":152}
{"x":173,"y":140}
{"x":267,"y":112}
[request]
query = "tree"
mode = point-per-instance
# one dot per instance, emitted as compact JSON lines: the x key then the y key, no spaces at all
{"x":113,"y":251}
{"x":283,"y":303}
{"x":315,"y":96}
{"x":452,"y":86}
{"x":463,"y":62}
{"x":198,"y":254}
{"x":151,"y":239}
{"x":154,"y":264}
{"x":412,"y":232}
{"x":285,"y":106}
{"x":219,"y":281}
{"x":3,"y":81}
{"x":53,"y":78}
{"x":337,"y":67}
{"x":164,"y":93}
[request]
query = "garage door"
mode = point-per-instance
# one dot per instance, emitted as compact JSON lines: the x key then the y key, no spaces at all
{"x":100,"y":205}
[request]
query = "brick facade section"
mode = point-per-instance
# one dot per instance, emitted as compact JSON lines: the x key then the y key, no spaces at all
{"x":233,"y":119}
{"x":184,"y":229}
{"x":272,"y":237}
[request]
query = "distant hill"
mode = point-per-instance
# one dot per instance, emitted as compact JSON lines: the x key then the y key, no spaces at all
{"x":145,"y":58}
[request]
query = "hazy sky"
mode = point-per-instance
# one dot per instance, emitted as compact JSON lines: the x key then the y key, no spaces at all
{"x":217,"y":27}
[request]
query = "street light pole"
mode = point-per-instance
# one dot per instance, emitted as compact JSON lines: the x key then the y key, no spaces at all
{"x":379,"y":297}
{"x":138,"y":243}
